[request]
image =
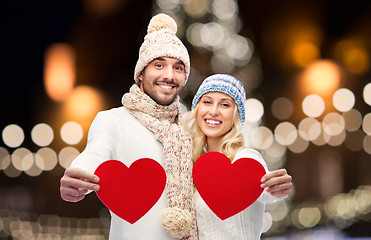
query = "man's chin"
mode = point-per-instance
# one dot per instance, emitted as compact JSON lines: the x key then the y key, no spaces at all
{"x":164,"y":102}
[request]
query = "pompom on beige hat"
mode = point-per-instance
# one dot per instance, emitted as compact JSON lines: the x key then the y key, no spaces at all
{"x":161,"y":41}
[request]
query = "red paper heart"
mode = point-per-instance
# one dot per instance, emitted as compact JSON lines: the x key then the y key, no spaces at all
{"x":225,"y":187}
{"x":130,"y":192}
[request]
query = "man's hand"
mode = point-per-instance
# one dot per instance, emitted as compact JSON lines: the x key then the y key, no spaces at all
{"x":76,"y":182}
{"x":278,"y":183}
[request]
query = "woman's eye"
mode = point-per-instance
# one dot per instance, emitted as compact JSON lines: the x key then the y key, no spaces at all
{"x":225,"y":104}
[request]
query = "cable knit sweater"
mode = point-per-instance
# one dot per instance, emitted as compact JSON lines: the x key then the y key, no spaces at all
{"x":117,"y":134}
{"x":246,"y":225}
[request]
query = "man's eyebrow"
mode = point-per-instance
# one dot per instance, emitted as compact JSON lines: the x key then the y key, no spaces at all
{"x":163,"y":59}
{"x":180,"y":62}
{"x":159,"y":58}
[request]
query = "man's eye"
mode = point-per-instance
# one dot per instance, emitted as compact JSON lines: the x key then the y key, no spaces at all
{"x":180,"y":68}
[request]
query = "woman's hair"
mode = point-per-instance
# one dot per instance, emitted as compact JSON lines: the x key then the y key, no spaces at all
{"x":229,"y":144}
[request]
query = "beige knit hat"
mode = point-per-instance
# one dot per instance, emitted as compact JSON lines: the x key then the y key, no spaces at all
{"x":161,"y":41}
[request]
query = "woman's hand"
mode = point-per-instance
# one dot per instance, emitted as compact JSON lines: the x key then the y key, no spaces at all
{"x":278,"y":183}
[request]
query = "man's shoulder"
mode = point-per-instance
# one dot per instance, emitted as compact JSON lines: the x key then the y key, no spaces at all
{"x":115,"y":114}
{"x":117,"y":111}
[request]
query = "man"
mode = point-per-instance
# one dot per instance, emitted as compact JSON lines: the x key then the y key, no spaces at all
{"x":147,"y":126}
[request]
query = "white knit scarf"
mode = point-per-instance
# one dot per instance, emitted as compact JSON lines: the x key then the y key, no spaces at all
{"x":163,"y":121}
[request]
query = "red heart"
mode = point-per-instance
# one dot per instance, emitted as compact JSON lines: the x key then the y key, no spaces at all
{"x":225,"y":187}
{"x":130,"y":192}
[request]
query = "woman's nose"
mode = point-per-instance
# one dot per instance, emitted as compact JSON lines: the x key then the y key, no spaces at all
{"x":214,"y":110}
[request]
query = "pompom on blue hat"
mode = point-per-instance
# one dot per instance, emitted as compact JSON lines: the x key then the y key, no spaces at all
{"x":226,"y":84}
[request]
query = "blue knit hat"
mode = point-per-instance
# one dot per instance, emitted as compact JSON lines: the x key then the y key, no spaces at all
{"x":225,"y":84}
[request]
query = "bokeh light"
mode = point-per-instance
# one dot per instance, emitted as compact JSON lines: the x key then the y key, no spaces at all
{"x":366,"y":124}
{"x":83,"y":103}
{"x":321,"y":77}
{"x":299,"y":145}
{"x":42,"y":134}
{"x":337,"y":140}
{"x":193,"y":34}
{"x":285,"y":133}
{"x":261,"y":138}
{"x":282,"y":108}
{"x":313,"y":105}
{"x":59,"y":71}
{"x":354,"y":140}
{"x":102,"y":8}
{"x":356,"y":60}
{"x":168,"y":4}
{"x":309,"y":129}
{"x":267,"y":223}
{"x":13,"y":135}
{"x":254,"y":110}
{"x":353,"y":55}
{"x":213,"y":34}
{"x":343,"y":100}
{"x":224,"y":9}
{"x":353,"y":120}
{"x":11,"y":171}
{"x":333,"y":123}
{"x":71,"y":133}
{"x":309,"y":216}
{"x":367,"y":144}
{"x":240,"y":49}
{"x":67,"y":155}
{"x":4,"y":158}
{"x":34,"y":170}
{"x":46,"y":159}
{"x":367,"y":94}
{"x":22,"y":159}
{"x":322,"y":139}
{"x":276,"y":150}
{"x":304,"y":53}
{"x":278,"y":210}
{"x":196,"y":8}
{"x":220,"y":62}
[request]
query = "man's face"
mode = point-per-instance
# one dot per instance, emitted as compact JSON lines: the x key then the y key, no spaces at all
{"x":162,"y":79}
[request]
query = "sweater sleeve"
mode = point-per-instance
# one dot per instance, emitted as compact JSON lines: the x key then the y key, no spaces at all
{"x":265,"y":197}
{"x":103,"y":134}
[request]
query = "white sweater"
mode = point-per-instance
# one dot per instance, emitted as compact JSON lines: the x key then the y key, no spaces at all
{"x":117,"y":135}
{"x":246,"y":225}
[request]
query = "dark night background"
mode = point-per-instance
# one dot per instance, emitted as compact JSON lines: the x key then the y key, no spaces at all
{"x":107,"y":49}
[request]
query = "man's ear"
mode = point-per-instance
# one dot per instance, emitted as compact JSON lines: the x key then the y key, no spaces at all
{"x":140,"y":76}
{"x":140,"y":80}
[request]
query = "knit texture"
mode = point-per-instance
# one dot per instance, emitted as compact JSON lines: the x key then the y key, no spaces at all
{"x":164,"y":121}
{"x":161,"y":41}
{"x":226,"y":84}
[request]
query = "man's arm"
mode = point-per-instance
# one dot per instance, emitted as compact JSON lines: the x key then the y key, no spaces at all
{"x":76,"y":182}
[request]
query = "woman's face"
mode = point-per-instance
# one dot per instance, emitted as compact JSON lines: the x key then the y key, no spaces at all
{"x":215,"y":114}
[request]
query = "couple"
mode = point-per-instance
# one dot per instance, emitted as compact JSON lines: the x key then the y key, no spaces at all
{"x":148,"y":126}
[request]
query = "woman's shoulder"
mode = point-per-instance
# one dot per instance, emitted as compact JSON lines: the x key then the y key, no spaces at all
{"x":248,"y":153}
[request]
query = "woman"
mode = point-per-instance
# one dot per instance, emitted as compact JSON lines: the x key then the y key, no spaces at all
{"x":218,"y":111}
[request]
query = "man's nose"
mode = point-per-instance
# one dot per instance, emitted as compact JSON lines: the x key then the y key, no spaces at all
{"x":169,"y":73}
